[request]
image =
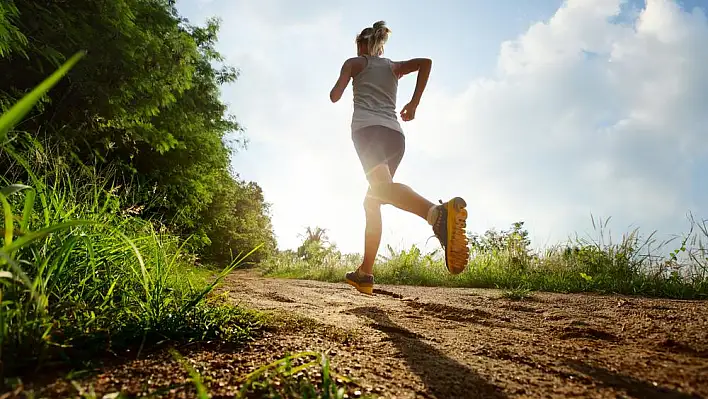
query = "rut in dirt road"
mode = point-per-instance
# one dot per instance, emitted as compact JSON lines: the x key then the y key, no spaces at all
{"x":445,"y":343}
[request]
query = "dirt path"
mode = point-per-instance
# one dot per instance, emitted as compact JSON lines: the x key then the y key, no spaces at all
{"x":470,"y":343}
{"x":419,"y":342}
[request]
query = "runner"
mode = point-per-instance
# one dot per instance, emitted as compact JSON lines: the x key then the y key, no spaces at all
{"x":380,"y":143}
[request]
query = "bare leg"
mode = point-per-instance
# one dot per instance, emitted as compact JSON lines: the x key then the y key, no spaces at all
{"x":383,"y":191}
{"x":372,"y":233}
{"x":402,"y":197}
{"x":399,"y":195}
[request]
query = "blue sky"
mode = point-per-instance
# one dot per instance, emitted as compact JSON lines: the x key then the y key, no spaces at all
{"x":516,"y":118}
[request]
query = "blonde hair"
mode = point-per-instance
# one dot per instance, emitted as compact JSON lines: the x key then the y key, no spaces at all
{"x":375,"y":37}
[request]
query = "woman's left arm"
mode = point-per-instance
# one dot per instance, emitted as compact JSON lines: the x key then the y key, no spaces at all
{"x":345,"y":75}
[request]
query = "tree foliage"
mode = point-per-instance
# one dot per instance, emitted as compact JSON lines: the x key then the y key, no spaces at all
{"x":316,"y":247}
{"x":515,"y":239}
{"x":145,"y":101}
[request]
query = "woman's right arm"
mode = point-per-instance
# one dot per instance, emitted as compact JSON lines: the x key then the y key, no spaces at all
{"x":423,"y":66}
{"x":402,"y":68}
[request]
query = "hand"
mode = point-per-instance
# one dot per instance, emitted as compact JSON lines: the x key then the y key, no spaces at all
{"x":408,"y":112}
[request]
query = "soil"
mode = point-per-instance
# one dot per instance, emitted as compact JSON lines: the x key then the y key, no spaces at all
{"x":429,"y":342}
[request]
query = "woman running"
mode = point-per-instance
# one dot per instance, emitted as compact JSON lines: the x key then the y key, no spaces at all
{"x":380,"y":143}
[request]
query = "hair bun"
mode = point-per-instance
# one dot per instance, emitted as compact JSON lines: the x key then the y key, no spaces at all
{"x":375,"y":37}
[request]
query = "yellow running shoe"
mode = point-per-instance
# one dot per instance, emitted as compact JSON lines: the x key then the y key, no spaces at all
{"x":362,"y":282}
{"x":449,"y":228}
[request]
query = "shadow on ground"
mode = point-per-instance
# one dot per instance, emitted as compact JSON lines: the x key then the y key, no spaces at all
{"x":443,"y":377}
{"x":634,"y":388}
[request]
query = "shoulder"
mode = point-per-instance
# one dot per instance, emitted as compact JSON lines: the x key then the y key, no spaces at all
{"x":355,"y":64}
{"x":356,"y":61}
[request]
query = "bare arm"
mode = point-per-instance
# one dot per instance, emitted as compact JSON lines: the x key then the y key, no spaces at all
{"x":345,"y":75}
{"x":423,"y":67}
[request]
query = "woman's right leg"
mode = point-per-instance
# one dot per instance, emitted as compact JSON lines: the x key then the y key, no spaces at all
{"x":380,"y":152}
{"x":402,"y":197}
{"x":448,"y":220}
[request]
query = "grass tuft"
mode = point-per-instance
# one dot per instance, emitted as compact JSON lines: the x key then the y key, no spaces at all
{"x":517,"y":294}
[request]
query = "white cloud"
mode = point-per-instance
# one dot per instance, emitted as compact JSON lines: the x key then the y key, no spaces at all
{"x":558,"y":134}
{"x":582,"y":115}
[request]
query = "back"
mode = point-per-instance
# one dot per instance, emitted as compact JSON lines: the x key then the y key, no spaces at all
{"x":375,"y":89}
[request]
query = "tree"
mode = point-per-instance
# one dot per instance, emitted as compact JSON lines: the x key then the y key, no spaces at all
{"x":516,"y":240}
{"x":315,"y":246}
{"x":144,"y":102}
{"x":237,"y":220}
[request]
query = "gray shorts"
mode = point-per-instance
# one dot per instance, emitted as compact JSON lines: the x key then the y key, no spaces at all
{"x":377,"y":145}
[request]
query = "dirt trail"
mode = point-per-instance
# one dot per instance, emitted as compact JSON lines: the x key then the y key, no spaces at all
{"x":420,"y":342}
{"x":470,"y":343}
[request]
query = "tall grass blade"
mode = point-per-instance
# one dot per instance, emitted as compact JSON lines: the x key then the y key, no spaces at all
{"x":12,"y":189}
{"x":216,"y":281}
{"x":193,"y":374}
{"x":7,"y":214}
{"x":36,"y":235}
{"x":36,"y":181}
{"x":21,"y":276}
{"x":10,"y":118}
{"x":27,"y":210}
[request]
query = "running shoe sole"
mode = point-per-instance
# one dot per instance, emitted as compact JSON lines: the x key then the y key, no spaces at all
{"x":457,"y":252}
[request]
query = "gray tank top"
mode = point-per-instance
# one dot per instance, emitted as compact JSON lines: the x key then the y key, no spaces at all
{"x":375,"y":89}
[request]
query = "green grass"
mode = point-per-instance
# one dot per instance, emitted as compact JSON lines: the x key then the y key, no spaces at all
{"x":517,"y":294}
{"x":80,"y":274}
{"x":301,"y":375}
{"x":506,"y":262}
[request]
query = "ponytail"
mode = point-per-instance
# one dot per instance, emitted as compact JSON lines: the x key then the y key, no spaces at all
{"x":375,"y":38}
